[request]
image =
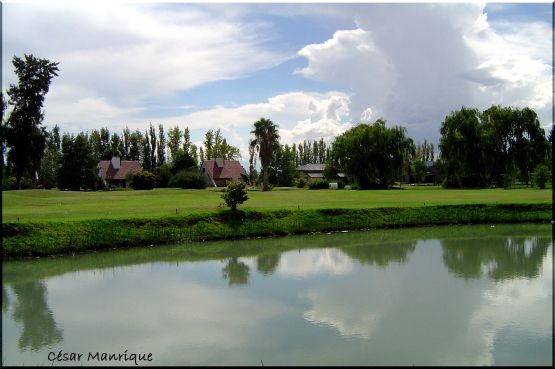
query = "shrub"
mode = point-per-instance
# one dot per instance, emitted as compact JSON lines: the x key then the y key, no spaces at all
{"x":143,"y":180}
{"x":301,"y":183}
{"x":340,"y":185}
{"x":318,"y":185}
{"x":188,"y":179}
{"x":234,"y":194}
{"x":540,"y":176}
{"x":355,"y":186}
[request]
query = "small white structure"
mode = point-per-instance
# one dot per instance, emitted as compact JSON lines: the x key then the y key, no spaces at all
{"x":333,"y":186}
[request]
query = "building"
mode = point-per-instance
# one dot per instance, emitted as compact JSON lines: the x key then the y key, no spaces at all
{"x":220,"y":172}
{"x":114,"y":171}
{"x":311,"y":172}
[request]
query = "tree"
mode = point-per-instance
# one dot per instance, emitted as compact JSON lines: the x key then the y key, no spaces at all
{"x":48,"y":173}
{"x":461,"y":144}
{"x":540,"y":176}
{"x":282,"y":168}
{"x":153,"y":147}
{"x":126,"y":142}
{"x":182,"y":161}
{"x":25,"y":137}
{"x":419,"y":168}
{"x":135,"y":145}
{"x":266,"y":140}
{"x":77,"y":164}
{"x":373,"y":155}
{"x":161,"y":157}
{"x":174,"y":141}
{"x":493,"y":147}
{"x":235,"y":193}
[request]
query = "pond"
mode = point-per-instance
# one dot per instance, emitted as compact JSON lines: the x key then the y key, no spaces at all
{"x":453,"y":295}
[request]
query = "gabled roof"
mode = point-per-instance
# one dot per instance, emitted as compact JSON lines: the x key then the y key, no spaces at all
{"x":311,"y":168}
{"x":107,"y":171}
{"x":224,"y":169}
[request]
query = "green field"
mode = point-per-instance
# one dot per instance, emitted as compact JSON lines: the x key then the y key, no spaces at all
{"x":54,"y":205}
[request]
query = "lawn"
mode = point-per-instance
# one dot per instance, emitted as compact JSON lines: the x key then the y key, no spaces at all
{"x":54,"y":205}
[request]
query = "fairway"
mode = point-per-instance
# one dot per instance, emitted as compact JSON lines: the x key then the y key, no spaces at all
{"x":54,"y":205}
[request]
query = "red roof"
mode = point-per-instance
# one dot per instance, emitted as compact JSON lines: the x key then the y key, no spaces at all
{"x":231,"y":169}
{"x":107,"y":171}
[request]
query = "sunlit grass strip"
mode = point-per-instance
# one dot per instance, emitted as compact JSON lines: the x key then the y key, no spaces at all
{"x":33,"y":239}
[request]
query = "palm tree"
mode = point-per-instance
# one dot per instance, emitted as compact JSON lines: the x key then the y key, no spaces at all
{"x":266,"y":140}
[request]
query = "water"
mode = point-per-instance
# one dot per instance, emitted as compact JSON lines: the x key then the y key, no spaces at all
{"x":457,"y":295}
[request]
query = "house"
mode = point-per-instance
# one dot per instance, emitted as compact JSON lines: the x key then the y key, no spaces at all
{"x":220,"y":172}
{"x":114,"y":171}
{"x":311,"y":172}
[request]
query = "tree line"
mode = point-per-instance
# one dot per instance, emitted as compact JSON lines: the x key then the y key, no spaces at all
{"x":496,"y":147}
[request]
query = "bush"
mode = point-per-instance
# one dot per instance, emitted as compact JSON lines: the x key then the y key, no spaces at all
{"x":355,"y":186}
{"x":163,"y":175}
{"x":540,"y":176}
{"x":301,"y":183}
{"x":340,"y":185}
{"x":234,"y":194}
{"x":143,"y":180}
{"x":318,"y":185}
{"x":188,"y":179}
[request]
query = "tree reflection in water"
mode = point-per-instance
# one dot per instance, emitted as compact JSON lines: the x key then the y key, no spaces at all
{"x":236,"y":272}
{"x":499,"y":258}
{"x":31,"y":309}
{"x":267,"y":263}
{"x":381,"y":254}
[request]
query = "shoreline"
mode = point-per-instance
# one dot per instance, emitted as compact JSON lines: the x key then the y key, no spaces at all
{"x":21,"y":240}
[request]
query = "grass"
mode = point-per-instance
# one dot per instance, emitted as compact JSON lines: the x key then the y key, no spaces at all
{"x":53,"y":205}
{"x":43,"y":222}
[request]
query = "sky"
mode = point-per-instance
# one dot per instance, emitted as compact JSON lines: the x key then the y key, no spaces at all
{"x":314,"y":69}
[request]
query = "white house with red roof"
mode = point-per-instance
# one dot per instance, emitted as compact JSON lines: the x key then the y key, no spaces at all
{"x":220,"y":172}
{"x":114,"y":171}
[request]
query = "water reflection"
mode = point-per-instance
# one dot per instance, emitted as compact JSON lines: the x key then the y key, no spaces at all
{"x":236,"y":272}
{"x":267,"y":263}
{"x":499,"y":258}
{"x":32,"y":311}
{"x":367,"y":298}
{"x":381,"y":254}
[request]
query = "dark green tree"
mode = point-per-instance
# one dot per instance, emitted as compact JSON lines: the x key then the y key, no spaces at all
{"x":25,"y":138}
{"x":373,"y":155}
{"x":48,"y":173}
{"x":77,"y":164}
{"x":265,"y":141}
{"x":462,"y":149}
{"x":282,"y":167}
{"x":135,"y":145}
{"x":161,"y":153}
{"x":234,"y":194}
{"x":174,"y":141}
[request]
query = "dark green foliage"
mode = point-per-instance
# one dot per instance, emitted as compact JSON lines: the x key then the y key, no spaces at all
{"x":541,"y":176}
{"x":182,"y":161}
{"x":491,"y":148}
{"x":265,"y":141}
{"x":301,"y":183}
{"x":419,"y":169}
{"x":163,"y":174}
{"x":318,"y":185}
{"x":373,"y":155}
{"x":143,"y":180}
{"x":282,"y":167}
{"x":235,"y":194}
{"x":25,"y":138}
{"x":77,"y":164}
{"x":190,"y":178}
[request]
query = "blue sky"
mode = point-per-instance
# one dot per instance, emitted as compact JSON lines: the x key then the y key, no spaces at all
{"x":315,"y":69}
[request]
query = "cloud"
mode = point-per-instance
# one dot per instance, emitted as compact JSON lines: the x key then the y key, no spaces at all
{"x":412,"y":64}
{"x":130,"y":55}
{"x":300,"y":115}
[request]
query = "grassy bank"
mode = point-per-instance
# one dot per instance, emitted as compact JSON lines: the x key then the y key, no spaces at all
{"x":59,"y":237}
{"x":53,"y":205}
